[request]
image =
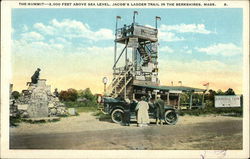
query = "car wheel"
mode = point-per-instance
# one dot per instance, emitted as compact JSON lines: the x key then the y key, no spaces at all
{"x":171,"y":117}
{"x":116,"y":116}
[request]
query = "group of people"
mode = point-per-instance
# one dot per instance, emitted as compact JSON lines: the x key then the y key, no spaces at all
{"x":142,"y":109}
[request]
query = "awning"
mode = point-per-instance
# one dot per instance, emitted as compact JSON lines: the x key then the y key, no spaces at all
{"x":172,"y":88}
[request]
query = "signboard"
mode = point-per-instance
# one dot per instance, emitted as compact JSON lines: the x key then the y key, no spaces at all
{"x":133,"y":42}
{"x":146,"y":32}
{"x":148,"y":68}
{"x":227,"y":101}
{"x":142,"y":78}
{"x":175,"y":91}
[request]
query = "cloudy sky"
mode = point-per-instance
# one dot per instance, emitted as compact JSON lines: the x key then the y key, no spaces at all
{"x":74,"y":47}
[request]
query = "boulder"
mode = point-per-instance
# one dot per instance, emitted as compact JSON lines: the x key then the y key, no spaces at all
{"x":24,"y":114}
{"x":53,"y":111}
{"x":51,"y":105}
{"x":72,"y":111}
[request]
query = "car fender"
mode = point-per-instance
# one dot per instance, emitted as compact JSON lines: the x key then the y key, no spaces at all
{"x":166,"y":107}
{"x":116,"y":107}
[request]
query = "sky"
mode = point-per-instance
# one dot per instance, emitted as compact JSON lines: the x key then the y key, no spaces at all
{"x":74,"y":48}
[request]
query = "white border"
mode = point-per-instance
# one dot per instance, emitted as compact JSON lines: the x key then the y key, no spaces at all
{"x":6,"y":75}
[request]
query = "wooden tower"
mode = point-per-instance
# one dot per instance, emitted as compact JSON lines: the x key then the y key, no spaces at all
{"x":141,"y":43}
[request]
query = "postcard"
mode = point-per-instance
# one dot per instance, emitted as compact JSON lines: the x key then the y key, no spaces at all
{"x":125,"y":79}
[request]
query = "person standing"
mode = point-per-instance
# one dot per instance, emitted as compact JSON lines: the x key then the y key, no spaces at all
{"x":159,"y":108}
{"x":124,"y":31}
{"x":56,"y":93}
{"x":142,"y":112}
{"x":126,"y":114}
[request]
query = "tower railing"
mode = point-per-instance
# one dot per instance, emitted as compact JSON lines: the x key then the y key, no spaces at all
{"x":137,"y":30}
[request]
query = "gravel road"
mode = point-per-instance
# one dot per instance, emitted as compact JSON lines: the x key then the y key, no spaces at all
{"x":88,"y":133}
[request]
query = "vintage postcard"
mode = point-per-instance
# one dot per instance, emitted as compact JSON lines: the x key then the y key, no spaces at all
{"x":125,"y":79}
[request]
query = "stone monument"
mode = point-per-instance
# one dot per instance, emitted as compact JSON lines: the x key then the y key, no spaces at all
{"x":37,"y":101}
{"x":38,"y":106}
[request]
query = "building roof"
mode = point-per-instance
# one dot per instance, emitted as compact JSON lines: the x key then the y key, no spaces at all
{"x":172,"y":88}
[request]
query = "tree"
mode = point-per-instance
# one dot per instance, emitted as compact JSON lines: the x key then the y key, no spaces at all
{"x":15,"y":94}
{"x":209,"y":98}
{"x":86,"y":93}
{"x":196,"y":98}
{"x":210,"y":95}
{"x":219,"y":92}
{"x":69,"y":95}
{"x":185,"y":98}
{"x":230,"y":91}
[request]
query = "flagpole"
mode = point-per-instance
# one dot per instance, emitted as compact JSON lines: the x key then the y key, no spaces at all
{"x":207,"y":85}
{"x":115,"y":49}
{"x":157,"y":18}
{"x":203,"y":96}
{"x":135,"y":12}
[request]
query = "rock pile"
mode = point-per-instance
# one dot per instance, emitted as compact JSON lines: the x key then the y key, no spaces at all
{"x":13,"y":108}
{"x":56,"y":108}
{"x":13,"y":105}
{"x":36,"y":102}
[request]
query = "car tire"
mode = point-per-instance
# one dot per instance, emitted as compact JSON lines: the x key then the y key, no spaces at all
{"x":171,"y":117}
{"x":116,"y":116}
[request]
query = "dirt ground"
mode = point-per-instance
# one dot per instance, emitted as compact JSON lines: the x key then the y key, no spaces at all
{"x":87,"y":132}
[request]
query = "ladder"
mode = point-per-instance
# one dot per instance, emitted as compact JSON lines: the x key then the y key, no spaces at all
{"x":120,"y":82}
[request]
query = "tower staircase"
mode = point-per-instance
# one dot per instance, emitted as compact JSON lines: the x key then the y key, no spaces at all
{"x":120,"y":83}
{"x":144,"y":54}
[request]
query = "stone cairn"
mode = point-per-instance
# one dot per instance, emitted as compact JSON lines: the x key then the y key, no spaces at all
{"x":13,"y":105}
{"x":38,"y":102}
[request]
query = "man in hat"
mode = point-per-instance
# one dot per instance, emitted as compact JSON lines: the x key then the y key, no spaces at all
{"x":35,"y":76}
{"x":142,"y":112}
{"x":124,"y":31}
{"x":159,"y":110}
{"x":126,"y":114}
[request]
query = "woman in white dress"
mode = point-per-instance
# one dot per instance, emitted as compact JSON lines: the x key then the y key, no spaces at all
{"x":142,"y":112}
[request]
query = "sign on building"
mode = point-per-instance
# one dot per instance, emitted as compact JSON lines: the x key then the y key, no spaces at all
{"x":145,"y":32}
{"x":133,"y":42}
{"x":148,"y":68}
{"x":175,"y":91}
{"x":227,"y":101}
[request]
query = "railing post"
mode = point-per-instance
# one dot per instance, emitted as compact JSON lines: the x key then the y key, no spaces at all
{"x":203,"y":101}
{"x":191,"y":101}
{"x":179,"y":101}
{"x":168,"y":102}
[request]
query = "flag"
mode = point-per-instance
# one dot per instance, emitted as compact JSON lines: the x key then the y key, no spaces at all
{"x":206,"y":84}
{"x":158,"y":18}
{"x":118,"y":17}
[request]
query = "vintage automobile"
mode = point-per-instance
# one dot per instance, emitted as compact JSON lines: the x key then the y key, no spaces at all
{"x":115,"y":107}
